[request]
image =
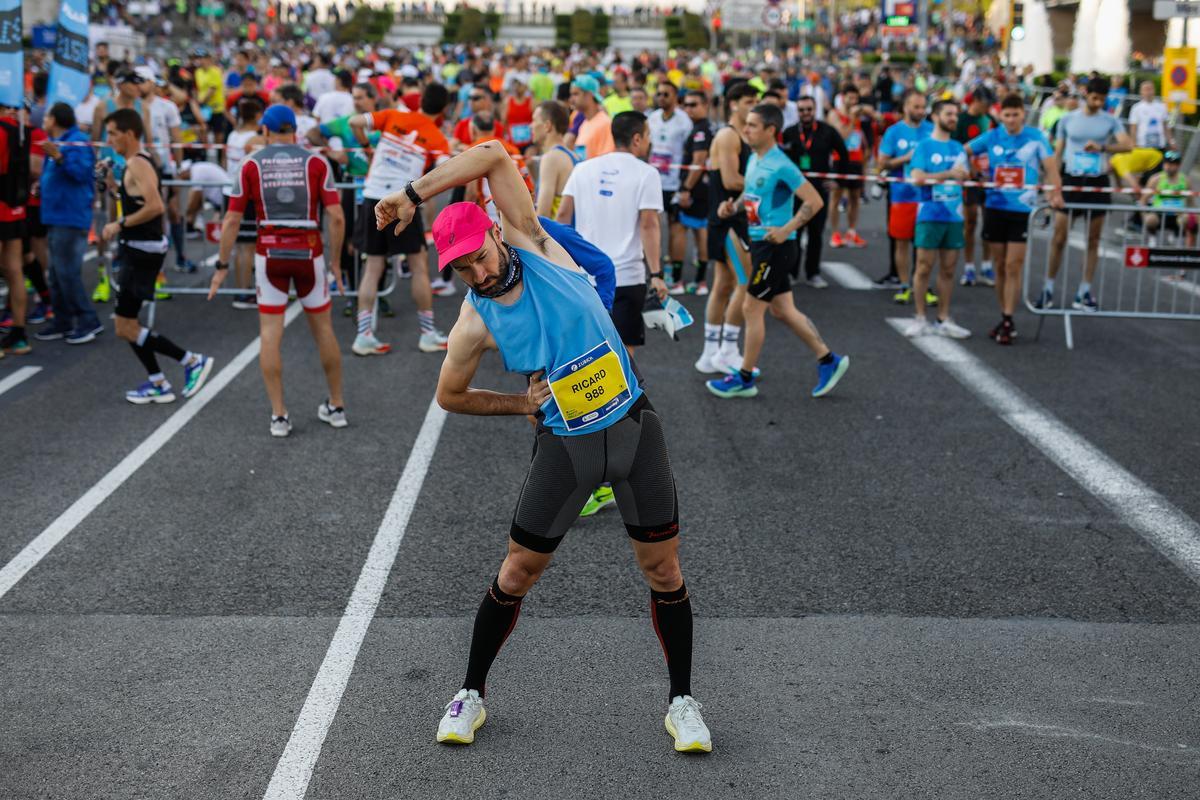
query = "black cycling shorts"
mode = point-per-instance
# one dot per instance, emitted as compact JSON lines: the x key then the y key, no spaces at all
{"x":1001,"y":226}
{"x":1088,"y":198}
{"x":565,"y":470}
{"x":628,"y":304}
{"x":139,"y":271}
{"x":718,"y":232}
{"x":771,"y":267}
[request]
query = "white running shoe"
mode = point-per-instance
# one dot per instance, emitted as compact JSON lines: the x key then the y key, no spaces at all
{"x":710,"y":364}
{"x":728,"y":360}
{"x":687,"y":726}
{"x":676,"y":289}
{"x":334,"y":415}
{"x":464,"y":715}
{"x":918,"y":327}
{"x":433,"y":342}
{"x":281,"y":426}
{"x":443,"y":288}
{"x":368,"y":345}
{"x":817,"y":282}
{"x":950,"y":330}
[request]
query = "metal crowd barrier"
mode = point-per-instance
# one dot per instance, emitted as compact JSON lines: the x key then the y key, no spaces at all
{"x":1139,"y":274}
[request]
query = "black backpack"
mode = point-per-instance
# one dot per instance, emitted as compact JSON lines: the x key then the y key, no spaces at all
{"x":14,"y":171}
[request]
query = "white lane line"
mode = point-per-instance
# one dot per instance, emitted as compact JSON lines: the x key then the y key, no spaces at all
{"x":1172,"y":532}
{"x":58,"y":530}
{"x":18,"y":377}
{"x":846,"y":275}
{"x":295,"y":767}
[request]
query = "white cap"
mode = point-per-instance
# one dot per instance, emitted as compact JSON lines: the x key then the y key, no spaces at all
{"x":145,"y":72}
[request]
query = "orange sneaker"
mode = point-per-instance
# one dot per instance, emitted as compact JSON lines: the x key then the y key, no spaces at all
{"x":836,"y":240}
{"x":855,"y":240}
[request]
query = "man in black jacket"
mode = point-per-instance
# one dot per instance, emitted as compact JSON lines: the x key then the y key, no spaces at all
{"x":811,"y":144}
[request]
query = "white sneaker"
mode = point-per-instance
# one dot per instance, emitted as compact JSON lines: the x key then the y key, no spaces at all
{"x":443,"y":288}
{"x":709,"y":364}
{"x":702,"y":289}
{"x":950,"y":330}
{"x":676,"y":289}
{"x":368,"y":345}
{"x":687,"y":726}
{"x":728,"y":360}
{"x":281,"y":426}
{"x":817,"y":282}
{"x":334,"y":415}
{"x":918,"y":327}
{"x":464,"y":715}
{"x":432,"y":342}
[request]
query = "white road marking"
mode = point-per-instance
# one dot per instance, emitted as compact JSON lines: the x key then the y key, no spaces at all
{"x":1172,"y":532}
{"x":846,"y":275}
{"x":60,"y":528}
{"x":18,"y":377}
{"x":295,"y":767}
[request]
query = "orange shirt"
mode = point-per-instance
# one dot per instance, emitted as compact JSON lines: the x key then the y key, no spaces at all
{"x":410,"y":144}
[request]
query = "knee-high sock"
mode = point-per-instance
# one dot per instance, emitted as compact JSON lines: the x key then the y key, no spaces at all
{"x":671,"y":613}
{"x":494,"y":621}
{"x":37,"y":276}
{"x":179,"y":239}
{"x":147,"y":357}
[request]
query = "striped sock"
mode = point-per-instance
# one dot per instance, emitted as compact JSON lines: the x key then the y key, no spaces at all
{"x":425,"y":318}
{"x":729,"y":338}
{"x":712,"y":338}
{"x":366,"y":323}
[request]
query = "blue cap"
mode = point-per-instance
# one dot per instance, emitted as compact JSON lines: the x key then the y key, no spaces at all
{"x":587,"y":83}
{"x":277,"y":117}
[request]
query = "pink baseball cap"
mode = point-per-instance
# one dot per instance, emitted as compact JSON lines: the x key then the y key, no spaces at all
{"x":461,"y":228}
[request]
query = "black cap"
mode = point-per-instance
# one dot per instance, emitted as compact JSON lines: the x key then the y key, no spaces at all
{"x":129,"y":76}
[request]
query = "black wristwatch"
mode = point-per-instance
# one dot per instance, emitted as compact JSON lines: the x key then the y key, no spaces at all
{"x":412,"y":194}
{"x":654,"y":275}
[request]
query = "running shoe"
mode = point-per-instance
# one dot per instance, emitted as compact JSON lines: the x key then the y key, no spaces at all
{"x":16,"y":344}
{"x":84,"y":335}
{"x":53,"y":333}
{"x":186,"y":266}
{"x":432,"y":342}
{"x":969,"y":278}
{"x":195,"y":375}
{"x":281,"y":426}
{"x":918,"y":327}
{"x":994,"y":332}
{"x":889,"y":281}
{"x":835,"y":241}
{"x":193,"y":233}
{"x":710,"y":364}
{"x":159,"y":283}
{"x":931,"y":299}
{"x":385,"y":308}
{"x":735,"y":368}
{"x":903,"y":297}
{"x":1006,"y":333}
{"x":676,"y":289}
{"x":334,"y":415}
{"x":443,"y":288}
{"x":405,"y":270}
{"x":103,"y":291}
{"x":702,"y":289}
{"x":987,"y":275}
{"x":1085,"y":302}
{"x":600,"y":498}
{"x":684,"y":722}
{"x":151,"y":392}
{"x":246,"y":302}
{"x":1045,"y":299}
{"x":854,"y":240}
{"x":732,"y":386}
{"x":950,"y":330}
{"x":40,"y":312}
{"x":817,"y":282}
{"x":368,"y":345}
{"x":464,"y":715}
{"x":828,"y":375}
{"x":6,"y":320}
{"x":690,"y":287}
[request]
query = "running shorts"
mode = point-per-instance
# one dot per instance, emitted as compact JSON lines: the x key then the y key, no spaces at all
{"x":1090,"y":198}
{"x":974,"y":195}
{"x":771,"y":267}
{"x":275,"y":277}
{"x":902,"y":221}
{"x":851,"y":168}
{"x":1001,"y":227}
{"x":139,"y":271}
{"x":670,"y":206}
{"x":12,"y":230}
{"x":374,"y":242}
{"x":939,"y":236}
{"x":565,"y":470}
{"x":34,"y":229}
{"x":718,"y":246}
{"x":628,"y":304}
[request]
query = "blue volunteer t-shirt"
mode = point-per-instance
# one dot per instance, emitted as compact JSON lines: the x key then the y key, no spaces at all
{"x":898,"y":141}
{"x":942,"y":202}
{"x":771,"y":182}
{"x":1014,"y":161}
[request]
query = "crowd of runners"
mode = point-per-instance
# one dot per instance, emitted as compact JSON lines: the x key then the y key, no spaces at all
{"x":577,"y":197}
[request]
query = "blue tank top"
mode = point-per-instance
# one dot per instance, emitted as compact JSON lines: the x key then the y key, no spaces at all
{"x":558,"y":325}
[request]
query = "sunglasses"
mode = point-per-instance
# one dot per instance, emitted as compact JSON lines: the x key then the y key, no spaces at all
{"x":691,"y":105}
{"x":475,"y":98}
{"x":662,"y":94}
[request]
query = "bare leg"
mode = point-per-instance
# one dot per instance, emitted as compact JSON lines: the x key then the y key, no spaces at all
{"x":920,"y":282}
{"x":755,"y":311}
{"x":853,"y":201}
{"x":1062,"y":225}
{"x":15,"y":279}
{"x":422,"y":292}
{"x":904,"y":259}
{"x":1014,"y":262}
{"x":949,"y":262}
{"x":368,"y":286}
{"x":783,"y":308}
{"x":1095,"y":228}
{"x":321,"y":327}
{"x":270,"y":360}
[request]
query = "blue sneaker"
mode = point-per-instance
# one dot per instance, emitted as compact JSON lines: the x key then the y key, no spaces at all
{"x":1045,"y":299}
{"x":195,"y":375}
{"x":987,"y":275}
{"x":968,"y":278}
{"x":829,"y":374}
{"x":150,"y":392}
{"x":1085,"y":302}
{"x":53,"y":332}
{"x":39,"y":313}
{"x":732,"y":386}
{"x":84,"y":334}
{"x":186,"y":265}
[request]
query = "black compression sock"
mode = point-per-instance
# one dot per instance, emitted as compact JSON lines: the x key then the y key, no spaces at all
{"x":747,"y":375}
{"x":671,"y":613}
{"x":37,"y":276}
{"x":146,"y":356}
{"x":826,"y":359}
{"x":494,"y":621}
{"x":161,"y":344}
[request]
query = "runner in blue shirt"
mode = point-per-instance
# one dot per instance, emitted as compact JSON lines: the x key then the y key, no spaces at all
{"x":895,"y":152}
{"x":939,"y":234}
{"x":772,"y":183}
{"x":1017,"y":158}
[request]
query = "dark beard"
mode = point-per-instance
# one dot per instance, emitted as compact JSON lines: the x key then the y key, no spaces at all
{"x":509,"y":280}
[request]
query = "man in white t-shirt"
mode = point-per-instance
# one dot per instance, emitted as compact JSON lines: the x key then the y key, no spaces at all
{"x":164,"y":121}
{"x":669,"y":132}
{"x":1148,"y":120}
{"x":616,"y":199}
{"x":339,"y":102}
{"x":319,"y":81}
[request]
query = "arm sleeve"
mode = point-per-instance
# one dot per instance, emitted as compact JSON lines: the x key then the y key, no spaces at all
{"x":587,"y":255}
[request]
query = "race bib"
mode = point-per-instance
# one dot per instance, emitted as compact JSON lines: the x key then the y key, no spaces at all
{"x":396,"y":162}
{"x":1171,"y":202}
{"x":1154,"y":139}
{"x":1010,"y":177}
{"x":752,"y":203}
{"x":590,"y":388}
{"x":806,"y":161}
{"x":1086,"y":164}
{"x":661,"y":162}
{"x":521,"y":134}
{"x":854,"y":141}
{"x":947,"y":193}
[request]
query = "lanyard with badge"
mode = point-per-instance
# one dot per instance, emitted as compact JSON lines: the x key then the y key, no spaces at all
{"x":589,"y":388}
{"x":805,"y":161}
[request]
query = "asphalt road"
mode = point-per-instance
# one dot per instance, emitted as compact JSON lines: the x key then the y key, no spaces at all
{"x":897,"y":593}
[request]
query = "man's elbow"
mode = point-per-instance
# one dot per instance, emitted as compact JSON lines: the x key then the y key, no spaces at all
{"x":449,"y":401}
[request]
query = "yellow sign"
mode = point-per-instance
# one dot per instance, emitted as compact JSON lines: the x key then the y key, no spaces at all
{"x":1179,"y":78}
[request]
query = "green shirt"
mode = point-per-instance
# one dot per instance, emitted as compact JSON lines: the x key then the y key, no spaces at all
{"x":541,"y":86}
{"x":614,"y":104}
{"x":340,"y":127}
